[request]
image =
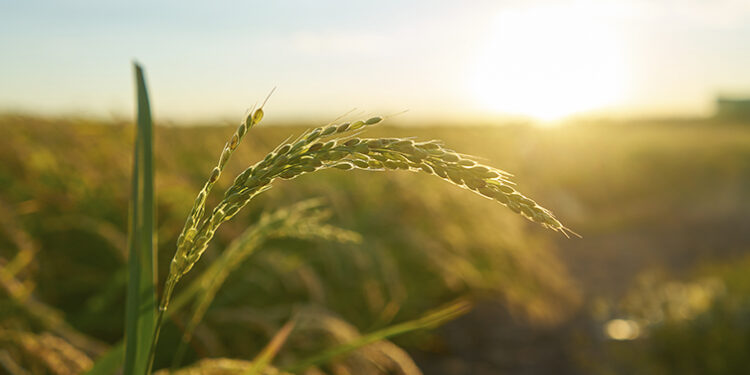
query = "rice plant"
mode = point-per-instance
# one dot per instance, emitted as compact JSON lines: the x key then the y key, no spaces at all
{"x":333,"y":146}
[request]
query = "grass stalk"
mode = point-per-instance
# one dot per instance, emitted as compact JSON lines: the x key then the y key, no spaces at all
{"x":141,"y":297}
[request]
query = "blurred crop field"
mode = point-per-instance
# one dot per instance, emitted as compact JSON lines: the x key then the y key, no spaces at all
{"x":659,"y":283}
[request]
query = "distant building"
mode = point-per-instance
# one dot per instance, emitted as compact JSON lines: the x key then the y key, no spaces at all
{"x":733,"y":109}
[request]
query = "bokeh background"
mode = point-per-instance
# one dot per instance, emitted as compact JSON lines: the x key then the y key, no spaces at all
{"x":629,"y":119}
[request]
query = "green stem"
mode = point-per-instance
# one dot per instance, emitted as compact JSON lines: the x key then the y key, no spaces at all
{"x":168,"y":289}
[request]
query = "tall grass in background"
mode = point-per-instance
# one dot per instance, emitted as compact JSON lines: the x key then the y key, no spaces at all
{"x":334,"y":146}
{"x":64,"y":193}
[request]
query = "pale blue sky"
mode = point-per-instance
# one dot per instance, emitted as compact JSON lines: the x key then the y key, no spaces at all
{"x":439,"y":59}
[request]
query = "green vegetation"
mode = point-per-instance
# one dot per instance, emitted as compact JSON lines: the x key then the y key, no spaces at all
{"x":332,"y":146}
{"x":140,"y":316}
{"x":665,"y":197}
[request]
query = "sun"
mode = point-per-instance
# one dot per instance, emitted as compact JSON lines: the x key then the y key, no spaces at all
{"x":548,"y":62}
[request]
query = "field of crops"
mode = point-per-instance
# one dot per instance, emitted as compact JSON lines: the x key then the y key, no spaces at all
{"x":661,"y":205}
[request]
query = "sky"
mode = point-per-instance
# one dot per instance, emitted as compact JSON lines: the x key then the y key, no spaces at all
{"x":442,"y":61}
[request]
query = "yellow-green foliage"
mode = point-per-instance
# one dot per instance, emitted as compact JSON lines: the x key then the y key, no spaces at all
{"x":641,"y":194}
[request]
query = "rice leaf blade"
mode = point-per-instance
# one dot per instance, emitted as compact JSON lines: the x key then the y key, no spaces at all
{"x":266,"y":355}
{"x":429,"y":320}
{"x":141,"y":297}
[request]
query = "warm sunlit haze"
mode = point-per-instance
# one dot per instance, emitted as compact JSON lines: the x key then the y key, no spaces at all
{"x":548,"y":61}
{"x":451,"y":61}
{"x":329,"y":187}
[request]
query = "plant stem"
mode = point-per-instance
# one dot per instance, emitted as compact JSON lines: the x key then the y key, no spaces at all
{"x":165,"y":298}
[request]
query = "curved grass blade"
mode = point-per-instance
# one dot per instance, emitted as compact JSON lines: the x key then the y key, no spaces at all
{"x":427,"y":321}
{"x":266,"y":355}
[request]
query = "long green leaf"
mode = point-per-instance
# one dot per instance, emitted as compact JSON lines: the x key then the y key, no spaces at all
{"x":140,"y":314}
{"x":427,"y":321}
{"x":264,"y":358}
{"x":112,"y":360}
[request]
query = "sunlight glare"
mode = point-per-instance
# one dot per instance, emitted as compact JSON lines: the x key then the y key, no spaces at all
{"x":549,"y":61}
{"x":622,"y":329}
